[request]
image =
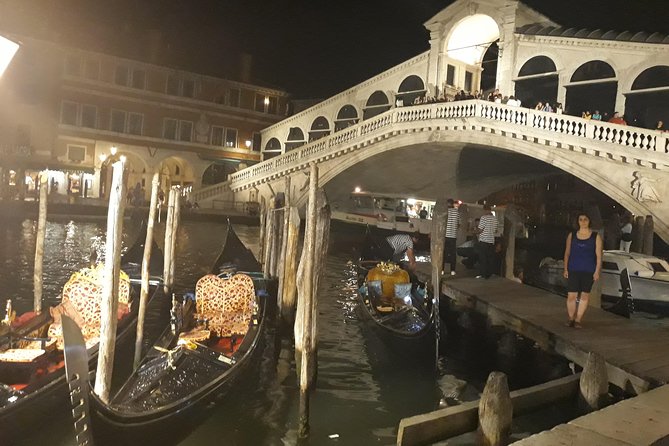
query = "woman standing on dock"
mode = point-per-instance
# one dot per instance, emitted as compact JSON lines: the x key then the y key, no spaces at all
{"x":582,"y":266}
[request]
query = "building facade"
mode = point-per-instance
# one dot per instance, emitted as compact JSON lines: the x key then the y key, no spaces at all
{"x":74,"y":112}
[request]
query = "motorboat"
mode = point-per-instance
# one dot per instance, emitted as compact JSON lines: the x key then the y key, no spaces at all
{"x":649,"y":277}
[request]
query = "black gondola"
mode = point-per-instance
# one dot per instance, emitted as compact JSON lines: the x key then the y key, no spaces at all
{"x":31,"y":390}
{"x":176,"y":382}
{"x":408,"y":329}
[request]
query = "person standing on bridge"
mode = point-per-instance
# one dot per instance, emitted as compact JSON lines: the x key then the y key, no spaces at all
{"x":582,"y":267}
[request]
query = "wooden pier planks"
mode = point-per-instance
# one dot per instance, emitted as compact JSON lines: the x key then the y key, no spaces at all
{"x":636,"y":354}
{"x":642,"y":420}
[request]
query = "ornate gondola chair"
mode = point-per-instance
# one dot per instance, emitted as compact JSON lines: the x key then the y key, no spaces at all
{"x":82,"y":301}
{"x":225,"y":307}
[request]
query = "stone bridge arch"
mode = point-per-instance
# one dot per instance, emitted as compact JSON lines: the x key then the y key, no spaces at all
{"x":622,"y":183}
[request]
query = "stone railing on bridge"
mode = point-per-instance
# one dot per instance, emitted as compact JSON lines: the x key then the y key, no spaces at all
{"x":596,"y":136}
{"x":219,"y":191}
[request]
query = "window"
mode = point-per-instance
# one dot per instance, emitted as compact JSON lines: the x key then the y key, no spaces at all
{"x":173,"y":85}
{"x":139,"y":79}
{"x":185,"y":130}
{"x":257,"y":141}
{"x":121,"y":76}
{"x":135,"y":123}
{"x":260,"y":103}
{"x":92,"y":69}
{"x":231,"y":137}
{"x":76,"y":153}
{"x":89,"y":116}
{"x":233,"y":97}
{"x":73,"y":66}
{"x":450,"y":75}
{"x":170,"y":128}
{"x":273,"y":106}
{"x":188,"y":88}
{"x":117,"y":121}
{"x":217,"y":136}
{"x":68,"y":113}
{"x":469,"y":79}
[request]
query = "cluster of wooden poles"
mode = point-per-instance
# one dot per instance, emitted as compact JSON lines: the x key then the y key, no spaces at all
{"x":297,"y":303}
{"x":110,"y":279}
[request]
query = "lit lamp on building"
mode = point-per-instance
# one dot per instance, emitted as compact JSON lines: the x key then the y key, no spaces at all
{"x":266,"y":102}
{"x":248,"y":144}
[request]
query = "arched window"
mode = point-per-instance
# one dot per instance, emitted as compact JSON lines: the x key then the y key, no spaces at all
{"x":410,"y":88}
{"x":295,"y":138}
{"x":595,"y":69}
{"x":537,"y":65}
{"x":593,"y":89}
{"x":319,"y":128}
{"x":537,"y":81}
{"x":273,"y":145}
{"x":654,"y":77}
{"x":648,"y":101}
{"x":376,"y":104}
{"x":346,"y":117}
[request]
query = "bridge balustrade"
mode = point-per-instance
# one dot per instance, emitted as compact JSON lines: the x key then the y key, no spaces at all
{"x":598,"y":132}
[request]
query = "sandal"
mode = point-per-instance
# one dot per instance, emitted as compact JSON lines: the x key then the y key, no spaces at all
{"x":577,"y":325}
{"x":570,"y":324}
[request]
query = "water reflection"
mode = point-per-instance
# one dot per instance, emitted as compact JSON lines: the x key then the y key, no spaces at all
{"x":363,"y":388}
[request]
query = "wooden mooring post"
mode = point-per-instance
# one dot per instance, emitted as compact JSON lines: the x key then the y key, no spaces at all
{"x":288,"y":293}
{"x":277,"y":242}
{"x":495,"y":411}
{"x":269,"y":238}
{"x":437,"y":240}
{"x":110,"y":284}
{"x":593,"y":384}
{"x":144,"y":292}
{"x":510,"y":229}
{"x":175,"y":229}
{"x":39,"y":242}
{"x":311,"y":265}
{"x":637,"y":234}
{"x":281,"y":264}
{"x":169,"y":221}
{"x":263,"y":230}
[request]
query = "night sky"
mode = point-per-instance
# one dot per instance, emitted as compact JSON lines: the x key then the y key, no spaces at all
{"x":311,"y":48}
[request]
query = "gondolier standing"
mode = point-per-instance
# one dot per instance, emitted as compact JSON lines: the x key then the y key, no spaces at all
{"x":485,"y":247}
{"x":452,"y":224}
{"x":397,"y":245}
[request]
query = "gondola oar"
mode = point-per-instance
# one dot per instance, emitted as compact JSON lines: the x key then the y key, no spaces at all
{"x":76,"y":370}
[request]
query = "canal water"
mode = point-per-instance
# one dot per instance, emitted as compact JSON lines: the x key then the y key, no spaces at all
{"x":364,"y":388}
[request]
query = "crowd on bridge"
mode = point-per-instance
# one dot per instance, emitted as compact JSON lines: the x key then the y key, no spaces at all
{"x":545,"y":106}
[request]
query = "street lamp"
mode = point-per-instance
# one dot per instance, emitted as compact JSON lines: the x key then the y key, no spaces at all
{"x":8,"y":49}
{"x":113,"y":150}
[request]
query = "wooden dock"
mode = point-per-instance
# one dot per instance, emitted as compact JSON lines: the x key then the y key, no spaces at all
{"x":636,"y":353}
{"x":643,"y":420}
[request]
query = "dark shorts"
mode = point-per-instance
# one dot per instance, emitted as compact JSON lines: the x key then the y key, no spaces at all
{"x":579,"y":282}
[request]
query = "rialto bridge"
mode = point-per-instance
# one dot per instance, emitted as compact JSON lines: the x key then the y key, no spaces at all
{"x":373,"y":135}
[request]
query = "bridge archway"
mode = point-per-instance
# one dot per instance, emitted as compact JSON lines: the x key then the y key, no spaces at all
{"x":593,"y":86}
{"x":412,"y":87}
{"x":319,"y":128}
{"x":346,"y":117}
{"x":175,"y":171}
{"x":295,"y":139}
{"x":648,"y":100}
{"x":376,"y":104}
{"x":272,"y":148}
{"x":537,"y":81}
{"x":218,"y":172}
{"x":135,"y":166}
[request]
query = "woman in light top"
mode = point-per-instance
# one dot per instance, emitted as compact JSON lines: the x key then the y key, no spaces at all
{"x":582,"y":267}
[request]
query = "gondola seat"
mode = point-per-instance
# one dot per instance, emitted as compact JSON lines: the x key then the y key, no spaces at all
{"x":82,"y":301}
{"x":226,"y":304}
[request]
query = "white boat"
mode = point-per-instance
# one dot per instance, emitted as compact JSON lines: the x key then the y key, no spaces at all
{"x":649,"y":276}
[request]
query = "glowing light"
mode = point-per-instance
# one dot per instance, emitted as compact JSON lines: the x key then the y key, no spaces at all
{"x":266,"y":100}
{"x":102,"y":157}
{"x":113,"y":150}
{"x":411,"y":201}
{"x":122,"y":158}
{"x":357,"y":189}
{"x":8,"y":50}
{"x":471,"y":37}
{"x":248,"y":143}
{"x":12,"y":398}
